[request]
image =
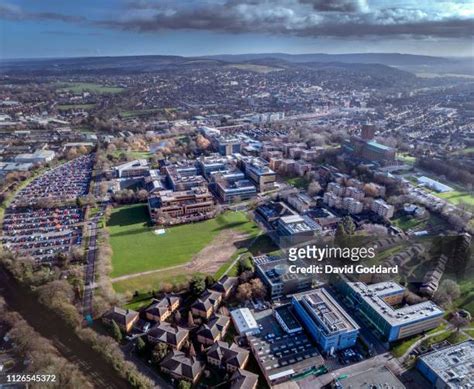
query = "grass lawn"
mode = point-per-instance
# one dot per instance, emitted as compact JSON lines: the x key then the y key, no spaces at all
{"x":150,"y":282}
{"x":406,"y":222}
{"x":298,"y":182}
{"x":140,"y":112}
{"x":401,"y":347}
{"x":67,"y":107}
{"x":466,"y":301}
{"x":456,"y":197}
{"x":79,"y":87}
{"x":470,"y":332}
{"x":406,"y":158}
{"x":137,"y":249}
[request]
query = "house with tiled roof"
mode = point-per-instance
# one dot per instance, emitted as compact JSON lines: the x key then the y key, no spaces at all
{"x":226,"y":285}
{"x":214,"y":330}
{"x":206,"y":305}
{"x":166,"y":333}
{"x":229,"y":358}
{"x":160,"y":310}
{"x":124,"y":318}
{"x":243,"y":379}
{"x":182,"y":367}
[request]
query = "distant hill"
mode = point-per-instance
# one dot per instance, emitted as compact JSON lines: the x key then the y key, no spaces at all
{"x":390,"y":59}
{"x":409,"y":62}
{"x":150,"y":63}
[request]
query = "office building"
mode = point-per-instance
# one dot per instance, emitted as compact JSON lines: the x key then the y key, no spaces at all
{"x":378,"y":304}
{"x":136,"y":168}
{"x":449,"y":368}
{"x":274,"y":273}
{"x":256,"y":170}
{"x":325,"y":320}
{"x":171,"y":208}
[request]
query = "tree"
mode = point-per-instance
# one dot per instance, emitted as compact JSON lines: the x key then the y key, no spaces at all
{"x":244,"y":264}
{"x":349,"y":226}
{"x":246,"y":276}
{"x":159,"y":352}
{"x":116,"y":333}
{"x":340,"y":235}
{"x":314,"y":188}
{"x":141,"y":345}
{"x":244,"y":292}
{"x":184,"y":385}
{"x":259,"y":290}
{"x":197,"y":285}
{"x":142,"y":195}
{"x":210,"y":280}
{"x":459,"y":321}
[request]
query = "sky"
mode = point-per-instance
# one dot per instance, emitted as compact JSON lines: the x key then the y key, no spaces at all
{"x":78,"y":28}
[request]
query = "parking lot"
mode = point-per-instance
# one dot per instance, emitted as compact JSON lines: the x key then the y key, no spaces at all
{"x":42,"y":233}
{"x":65,"y":182}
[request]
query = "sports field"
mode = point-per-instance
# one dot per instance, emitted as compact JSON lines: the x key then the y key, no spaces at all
{"x":137,"y":249}
{"x":457,"y":197}
{"x":79,"y":87}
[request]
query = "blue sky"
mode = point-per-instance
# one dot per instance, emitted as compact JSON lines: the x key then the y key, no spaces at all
{"x":54,"y":28}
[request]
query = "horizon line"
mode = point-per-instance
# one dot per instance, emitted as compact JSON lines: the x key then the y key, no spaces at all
{"x":229,"y":54}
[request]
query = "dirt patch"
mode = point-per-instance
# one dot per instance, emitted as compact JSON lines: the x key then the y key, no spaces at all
{"x":215,"y":254}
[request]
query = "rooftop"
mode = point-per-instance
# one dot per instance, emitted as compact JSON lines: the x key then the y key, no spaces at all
{"x":373,"y":294}
{"x":453,"y":364}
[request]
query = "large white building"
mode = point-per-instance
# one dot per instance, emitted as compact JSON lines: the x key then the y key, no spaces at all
{"x":39,"y":156}
{"x":244,"y":322}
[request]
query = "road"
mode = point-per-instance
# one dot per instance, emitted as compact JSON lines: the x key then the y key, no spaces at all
{"x":89,"y":271}
{"x":318,"y":382}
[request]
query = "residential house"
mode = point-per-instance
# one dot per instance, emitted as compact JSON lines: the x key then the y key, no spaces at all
{"x":211,"y":332}
{"x":182,"y":367}
{"x":174,"y":337}
{"x":160,"y":310}
{"x":124,"y":318}
{"x":225,"y":285}
{"x":230,"y":358}
{"x":206,"y":304}
{"x":243,"y":379}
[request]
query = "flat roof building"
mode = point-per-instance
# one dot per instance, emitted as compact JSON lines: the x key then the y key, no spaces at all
{"x":433,"y":184}
{"x":138,"y":167}
{"x":378,"y":303}
{"x":244,"y":322}
{"x":451,"y":367}
{"x":325,"y":320}
{"x":274,"y":272}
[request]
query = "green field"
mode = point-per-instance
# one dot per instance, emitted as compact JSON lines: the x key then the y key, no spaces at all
{"x":298,"y":182}
{"x":256,"y":68}
{"x":406,"y":158}
{"x":407,"y":222}
{"x":79,"y":87}
{"x":141,"y":112}
{"x":149,"y":282}
{"x":457,"y":197}
{"x":67,"y":107}
{"x":137,"y":249}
